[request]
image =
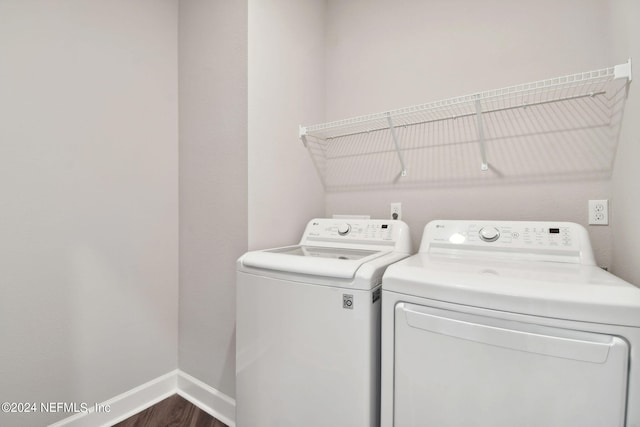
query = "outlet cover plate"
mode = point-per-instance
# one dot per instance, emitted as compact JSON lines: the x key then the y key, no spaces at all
{"x":598,"y":212}
{"x":395,"y":208}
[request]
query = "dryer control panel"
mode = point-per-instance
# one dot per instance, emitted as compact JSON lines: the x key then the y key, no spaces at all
{"x":550,"y":235}
{"x":539,"y":240}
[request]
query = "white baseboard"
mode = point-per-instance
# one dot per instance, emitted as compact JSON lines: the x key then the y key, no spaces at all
{"x":207,"y":398}
{"x":140,"y":398}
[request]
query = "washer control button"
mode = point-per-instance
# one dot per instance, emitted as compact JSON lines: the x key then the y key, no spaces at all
{"x":344,"y":229}
{"x":489,"y":234}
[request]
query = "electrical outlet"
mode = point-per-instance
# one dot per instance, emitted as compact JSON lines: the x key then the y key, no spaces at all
{"x":396,"y":210}
{"x":598,"y":212}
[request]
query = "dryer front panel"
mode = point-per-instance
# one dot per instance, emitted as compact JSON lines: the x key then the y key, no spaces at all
{"x":457,"y":369}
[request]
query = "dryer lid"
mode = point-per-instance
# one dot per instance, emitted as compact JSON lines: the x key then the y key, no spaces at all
{"x":569,"y":291}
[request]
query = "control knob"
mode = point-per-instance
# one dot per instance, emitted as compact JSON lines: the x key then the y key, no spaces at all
{"x":489,"y":234}
{"x":344,"y":229}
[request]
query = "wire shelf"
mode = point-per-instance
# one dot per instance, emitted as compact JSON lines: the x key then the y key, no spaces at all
{"x":532,"y":111}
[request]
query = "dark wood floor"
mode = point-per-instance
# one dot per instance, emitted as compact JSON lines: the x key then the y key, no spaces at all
{"x":174,"y":411}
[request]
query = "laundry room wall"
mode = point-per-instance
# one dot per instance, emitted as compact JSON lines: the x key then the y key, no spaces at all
{"x":213,"y":184}
{"x":381,"y":57}
{"x":250,"y":72}
{"x":286,"y":89}
{"x":89,"y":200}
{"x":625,"y":199}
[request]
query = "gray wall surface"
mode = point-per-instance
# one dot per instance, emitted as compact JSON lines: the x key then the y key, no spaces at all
{"x":625,"y":200}
{"x":286,"y":89}
{"x":89,"y":200}
{"x":213,"y":184}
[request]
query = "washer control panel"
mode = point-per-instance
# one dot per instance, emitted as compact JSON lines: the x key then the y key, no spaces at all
{"x":362,"y":230}
{"x":555,"y":239}
{"x":358,"y":234}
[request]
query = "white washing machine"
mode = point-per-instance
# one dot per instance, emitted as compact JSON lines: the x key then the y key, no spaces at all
{"x":497,"y":323}
{"x":308,"y":326}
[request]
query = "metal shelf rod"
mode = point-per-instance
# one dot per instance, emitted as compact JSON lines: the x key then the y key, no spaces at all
{"x":622,"y":71}
{"x":459,"y":116}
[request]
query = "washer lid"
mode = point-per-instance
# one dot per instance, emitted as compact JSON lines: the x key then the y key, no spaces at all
{"x":324,"y":252}
{"x":550,"y":289}
{"x":318,"y":261}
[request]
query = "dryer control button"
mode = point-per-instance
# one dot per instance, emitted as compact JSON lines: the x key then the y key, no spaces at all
{"x":343,"y":229}
{"x":489,"y":234}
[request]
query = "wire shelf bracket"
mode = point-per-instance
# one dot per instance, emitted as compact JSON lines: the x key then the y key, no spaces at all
{"x":394,"y":135}
{"x":483,"y":151}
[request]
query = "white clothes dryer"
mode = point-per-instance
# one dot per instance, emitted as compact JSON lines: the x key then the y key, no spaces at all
{"x":497,"y":323}
{"x":308,"y":326}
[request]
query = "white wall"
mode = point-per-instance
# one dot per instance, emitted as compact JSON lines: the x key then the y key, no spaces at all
{"x":213,"y":184}
{"x":245,"y":181}
{"x":625,"y":201}
{"x":381,"y":56}
{"x":286,"y":88}
{"x":89,"y":199}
